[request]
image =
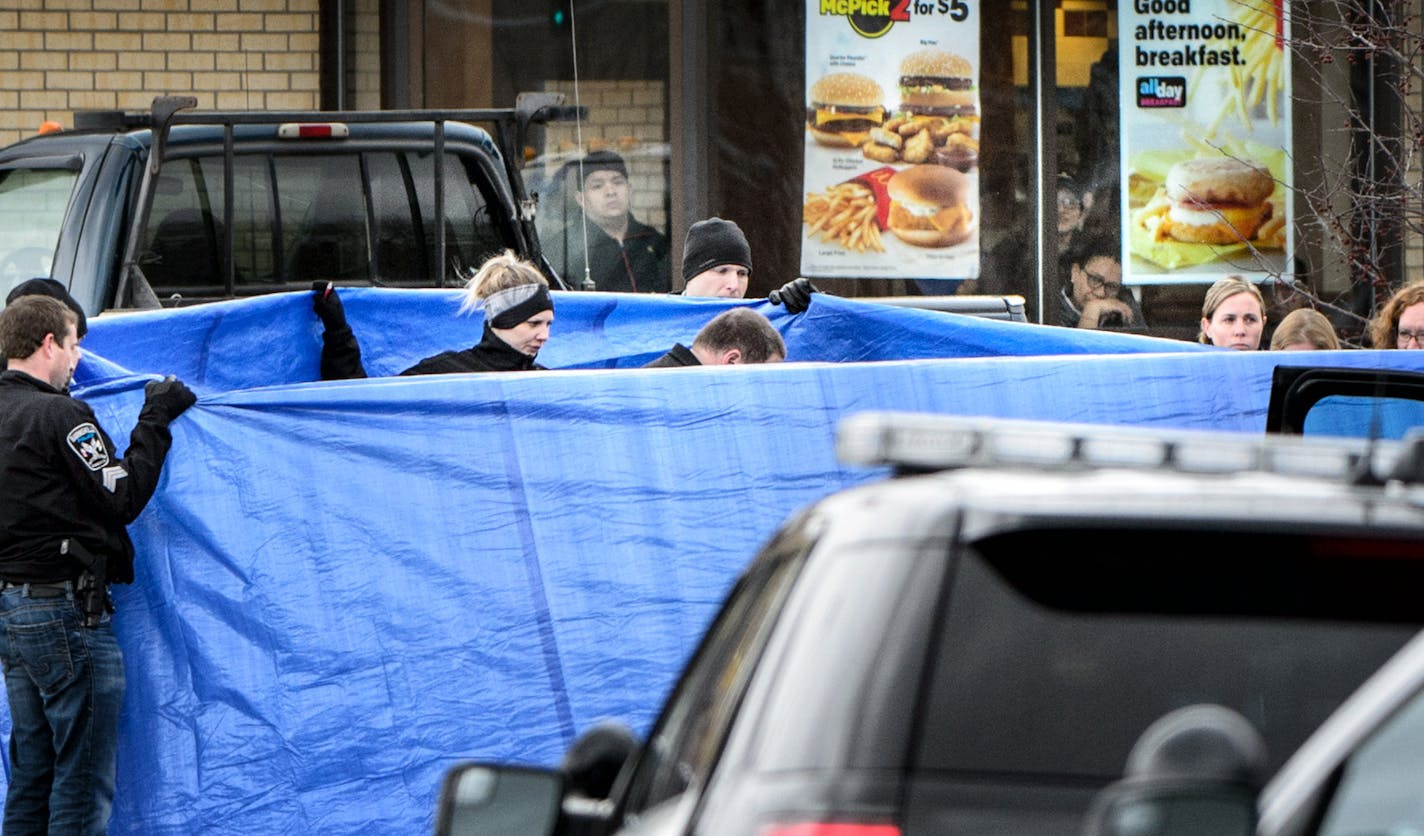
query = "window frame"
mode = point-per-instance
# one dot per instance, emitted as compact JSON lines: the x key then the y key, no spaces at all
{"x":721,"y":668}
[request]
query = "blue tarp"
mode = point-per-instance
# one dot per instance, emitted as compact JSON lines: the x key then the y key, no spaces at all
{"x":345,"y":587}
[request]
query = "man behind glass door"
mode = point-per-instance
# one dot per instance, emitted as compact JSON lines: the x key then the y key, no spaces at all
{"x":624,"y":254}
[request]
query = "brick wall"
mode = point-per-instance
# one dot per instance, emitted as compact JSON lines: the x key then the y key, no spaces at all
{"x":58,"y":56}
{"x":365,"y":74}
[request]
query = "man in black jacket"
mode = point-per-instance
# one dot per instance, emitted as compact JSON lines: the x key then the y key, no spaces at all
{"x":65,"y":499}
{"x":623,"y":254}
{"x":736,"y":335}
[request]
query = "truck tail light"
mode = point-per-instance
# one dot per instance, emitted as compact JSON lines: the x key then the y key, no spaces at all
{"x":313,"y":130}
{"x":830,"y":829}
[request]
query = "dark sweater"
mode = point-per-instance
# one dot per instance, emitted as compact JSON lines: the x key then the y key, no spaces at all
{"x":341,"y":357}
{"x":491,"y":354}
{"x":639,"y":264}
{"x":680,"y":355}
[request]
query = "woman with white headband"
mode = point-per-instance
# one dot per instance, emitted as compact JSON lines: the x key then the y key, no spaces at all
{"x":518,"y":312}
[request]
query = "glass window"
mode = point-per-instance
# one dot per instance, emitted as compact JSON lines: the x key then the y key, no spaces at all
{"x":1361,"y":417}
{"x":684,"y":746}
{"x":32,"y":204}
{"x":402,"y":191}
{"x":621,"y":77}
{"x":1382,"y":787}
{"x":401,"y":250}
{"x":323,"y":210}
{"x":302,"y":218}
{"x":319,"y":202}
{"x":184,"y":243}
{"x":471,"y":235}
{"x":1078,"y":658}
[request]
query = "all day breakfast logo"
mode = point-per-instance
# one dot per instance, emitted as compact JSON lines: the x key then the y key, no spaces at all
{"x":1162,"y":91}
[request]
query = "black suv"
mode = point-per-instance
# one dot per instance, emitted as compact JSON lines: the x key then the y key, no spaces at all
{"x":974,"y":645}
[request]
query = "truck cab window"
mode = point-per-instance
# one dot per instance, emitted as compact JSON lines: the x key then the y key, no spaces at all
{"x":32,"y":204}
{"x":1381,"y":789}
{"x":184,"y":245}
{"x":297,"y":218}
{"x":403,"y":204}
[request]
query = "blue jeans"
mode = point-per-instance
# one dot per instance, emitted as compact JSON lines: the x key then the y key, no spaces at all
{"x":65,"y":684}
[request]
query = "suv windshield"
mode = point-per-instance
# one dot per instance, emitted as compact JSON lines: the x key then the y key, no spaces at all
{"x":32,"y":204}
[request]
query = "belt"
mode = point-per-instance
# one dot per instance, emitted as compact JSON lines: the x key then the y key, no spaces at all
{"x":53,"y":589}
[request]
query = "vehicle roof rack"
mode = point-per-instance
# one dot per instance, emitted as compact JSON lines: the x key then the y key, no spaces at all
{"x":529,"y":109}
{"x":919,"y":443}
{"x":511,"y":126}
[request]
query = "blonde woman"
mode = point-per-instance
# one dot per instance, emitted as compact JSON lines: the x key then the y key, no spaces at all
{"x":1305,"y":329}
{"x":518,"y":314}
{"x":1233,"y":315}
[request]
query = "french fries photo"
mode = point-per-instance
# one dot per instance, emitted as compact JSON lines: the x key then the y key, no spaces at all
{"x":1260,"y":80}
{"x":845,"y":214}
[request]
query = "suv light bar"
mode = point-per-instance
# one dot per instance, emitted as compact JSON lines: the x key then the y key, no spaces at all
{"x":913,"y":442}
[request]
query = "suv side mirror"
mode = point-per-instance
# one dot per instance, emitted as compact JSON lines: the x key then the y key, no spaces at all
{"x":597,"y":758}
{"x":1194,"y":772}
{"x":478,"y":799}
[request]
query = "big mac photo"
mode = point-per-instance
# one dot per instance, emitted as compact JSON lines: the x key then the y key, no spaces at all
{"x":844,"y":107}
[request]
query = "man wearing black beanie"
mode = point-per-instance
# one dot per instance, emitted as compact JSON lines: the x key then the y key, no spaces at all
{"x":716,"y":260}
{"x":623,"y":254}
{"x":54,"y":290}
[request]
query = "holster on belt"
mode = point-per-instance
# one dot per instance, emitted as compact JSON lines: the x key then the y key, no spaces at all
{"x":93,"y":587}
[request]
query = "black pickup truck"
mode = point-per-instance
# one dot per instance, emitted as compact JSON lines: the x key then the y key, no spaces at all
{"x":176,"y":206}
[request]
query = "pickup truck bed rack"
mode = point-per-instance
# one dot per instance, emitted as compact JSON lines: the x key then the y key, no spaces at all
{"x":511,"y":128}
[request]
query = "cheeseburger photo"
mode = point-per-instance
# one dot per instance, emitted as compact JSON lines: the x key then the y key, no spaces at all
{"x":936,"y":83}
{"x":844,"y":107}
{"x":1217,"y":200}
{"x":930,"y":206}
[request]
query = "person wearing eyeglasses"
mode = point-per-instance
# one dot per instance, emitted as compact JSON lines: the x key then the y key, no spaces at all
{"x":1092,"y":295}
{"x":1400,"y":322}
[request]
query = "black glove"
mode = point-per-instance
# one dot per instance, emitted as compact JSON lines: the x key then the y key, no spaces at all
{"x":328,"y":305}
{"x":795,"y":295}
{"x":166,"y":399}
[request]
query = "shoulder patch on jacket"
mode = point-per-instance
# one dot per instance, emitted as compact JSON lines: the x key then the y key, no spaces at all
{"x":88,"y":445}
